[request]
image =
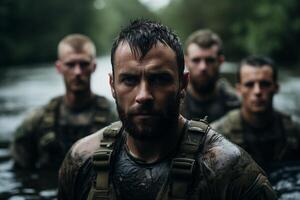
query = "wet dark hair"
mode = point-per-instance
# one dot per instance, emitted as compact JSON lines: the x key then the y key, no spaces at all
{"x":143,"y":34}
{"x":259,"y":62}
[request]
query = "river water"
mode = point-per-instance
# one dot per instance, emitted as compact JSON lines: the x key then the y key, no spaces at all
{"x":26,"y":87}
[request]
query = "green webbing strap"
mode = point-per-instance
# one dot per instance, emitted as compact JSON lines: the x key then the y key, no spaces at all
{"x":101,"y":160}
{"x":184,"y":164}
{"x":102,"y":108}
{"x":49,"y":121}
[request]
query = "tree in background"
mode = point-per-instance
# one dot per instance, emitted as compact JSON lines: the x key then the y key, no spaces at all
{"x":30,"y":30}
{"x":270,"y":27}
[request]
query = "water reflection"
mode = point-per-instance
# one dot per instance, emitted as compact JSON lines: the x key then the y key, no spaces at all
{"x":21,"y":185}
{"x":286,"y":180}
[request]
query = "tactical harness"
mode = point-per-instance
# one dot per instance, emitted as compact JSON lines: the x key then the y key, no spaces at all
{"x":182,"y":169}
{"x":49,"y":122}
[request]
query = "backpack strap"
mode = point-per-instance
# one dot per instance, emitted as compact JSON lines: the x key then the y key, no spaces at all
{"x":49,"y":121}
{"x":101,"y":161}
{"x":183,"y":166}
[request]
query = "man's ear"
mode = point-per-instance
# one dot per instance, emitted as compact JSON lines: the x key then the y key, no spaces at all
{"x":111,"y":83}
{"x":221,"y":59}
{"x":238,"y":88}
{"x":94,"y":66}
{"x":186,"y":62}
{"x":58,"y":66}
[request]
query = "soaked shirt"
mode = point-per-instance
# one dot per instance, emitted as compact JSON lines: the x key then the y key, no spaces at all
{"x":135,"y":179}
{"x":225,"y":172}
{"x":223,"y":101}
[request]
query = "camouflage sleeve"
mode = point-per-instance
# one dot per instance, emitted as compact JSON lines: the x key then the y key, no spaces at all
{"x":23,"y":147}
{"x":250,"y":182}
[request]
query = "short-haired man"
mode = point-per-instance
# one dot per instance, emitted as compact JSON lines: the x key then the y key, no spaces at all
{"x":207,"y":95}
{"x":266,"y":134}
{"x":45,"y":136}
{"x":155,"y":153}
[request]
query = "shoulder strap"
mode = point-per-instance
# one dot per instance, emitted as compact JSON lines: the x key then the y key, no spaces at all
{"x":102,"y":109}
{"x":48,"y":122}
{"x":101,"y":160}
{"x":183,"y":166}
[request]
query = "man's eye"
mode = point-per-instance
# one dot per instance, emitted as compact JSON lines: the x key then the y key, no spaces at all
{"x":210,"y":60}
{"x":130,"y":80}
{"x":249,"y":84}
{"x":265,"y":84}
{"x":161,"y":79}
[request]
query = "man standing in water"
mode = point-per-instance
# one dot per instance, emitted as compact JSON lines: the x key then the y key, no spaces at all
{"x":155,"y":153}
{"x":45,"y":136}
{"x":269,"y":136}
{"x":207,"y":94}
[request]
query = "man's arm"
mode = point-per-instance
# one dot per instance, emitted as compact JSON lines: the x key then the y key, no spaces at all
{"x":23,"y":147}
{"x":249,"y":181}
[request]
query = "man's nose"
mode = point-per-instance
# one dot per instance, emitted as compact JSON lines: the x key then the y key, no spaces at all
{"x":144,"y":93}
{"x":202,"y":65}
{"x":77,"y":69}
{"x":257,"y":88}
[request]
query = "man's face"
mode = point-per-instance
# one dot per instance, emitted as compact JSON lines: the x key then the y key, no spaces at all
{"x":147,"y":91}
{"x":76,"y":68}
{"x":203,"y":65}
{"x":257,"y":88}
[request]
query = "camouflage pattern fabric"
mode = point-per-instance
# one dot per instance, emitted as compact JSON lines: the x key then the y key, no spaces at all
{"x":275,"y":142}
{"x":45,"y":136}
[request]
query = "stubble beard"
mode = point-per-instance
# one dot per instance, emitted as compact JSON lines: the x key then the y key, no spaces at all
{"x":161,"y":127}
{"x":206,"y":87}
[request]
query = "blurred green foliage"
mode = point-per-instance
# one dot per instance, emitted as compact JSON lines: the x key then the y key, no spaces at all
{"x":31,"y":29}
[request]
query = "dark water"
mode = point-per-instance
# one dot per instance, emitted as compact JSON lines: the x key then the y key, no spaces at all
{"x":24,"y":88}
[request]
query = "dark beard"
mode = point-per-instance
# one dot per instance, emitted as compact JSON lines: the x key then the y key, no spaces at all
{"x":164,"y":124}
{"x":206,"y":87}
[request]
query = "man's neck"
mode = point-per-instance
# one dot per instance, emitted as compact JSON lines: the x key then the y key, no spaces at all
{"x":78,"y":100}
{"x":258,"y":120}
{"x":201,"y":96}
{"x":151,"y":151}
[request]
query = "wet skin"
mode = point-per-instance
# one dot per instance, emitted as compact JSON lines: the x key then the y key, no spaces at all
{"x":203,"y":65}
{"x":76,"y":68}
{"x":147,"y":90}
{"x":257,"y":89}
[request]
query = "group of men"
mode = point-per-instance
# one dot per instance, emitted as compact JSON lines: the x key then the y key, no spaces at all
{"x":162,"y":147}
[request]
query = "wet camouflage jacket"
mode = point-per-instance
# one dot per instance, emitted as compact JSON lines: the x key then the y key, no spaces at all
{"x":225,"y":171}
{"x":45,"y":136}
{"x":224,"y":101}
{"x":277,"y":141}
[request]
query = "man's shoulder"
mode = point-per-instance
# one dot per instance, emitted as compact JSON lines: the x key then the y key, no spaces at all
{"x":85,"y":147}
{"x":234,"y":167}
{"x":219,"y":153}
{"x":102,"y":102}
{"x":232,"y":120}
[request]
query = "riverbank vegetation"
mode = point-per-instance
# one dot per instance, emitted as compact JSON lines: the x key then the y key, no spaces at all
{"x":31,"y":29}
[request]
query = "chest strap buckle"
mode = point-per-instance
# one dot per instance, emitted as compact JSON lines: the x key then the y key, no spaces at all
{"x":101,"y":159}
{"x":182,"y":168}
